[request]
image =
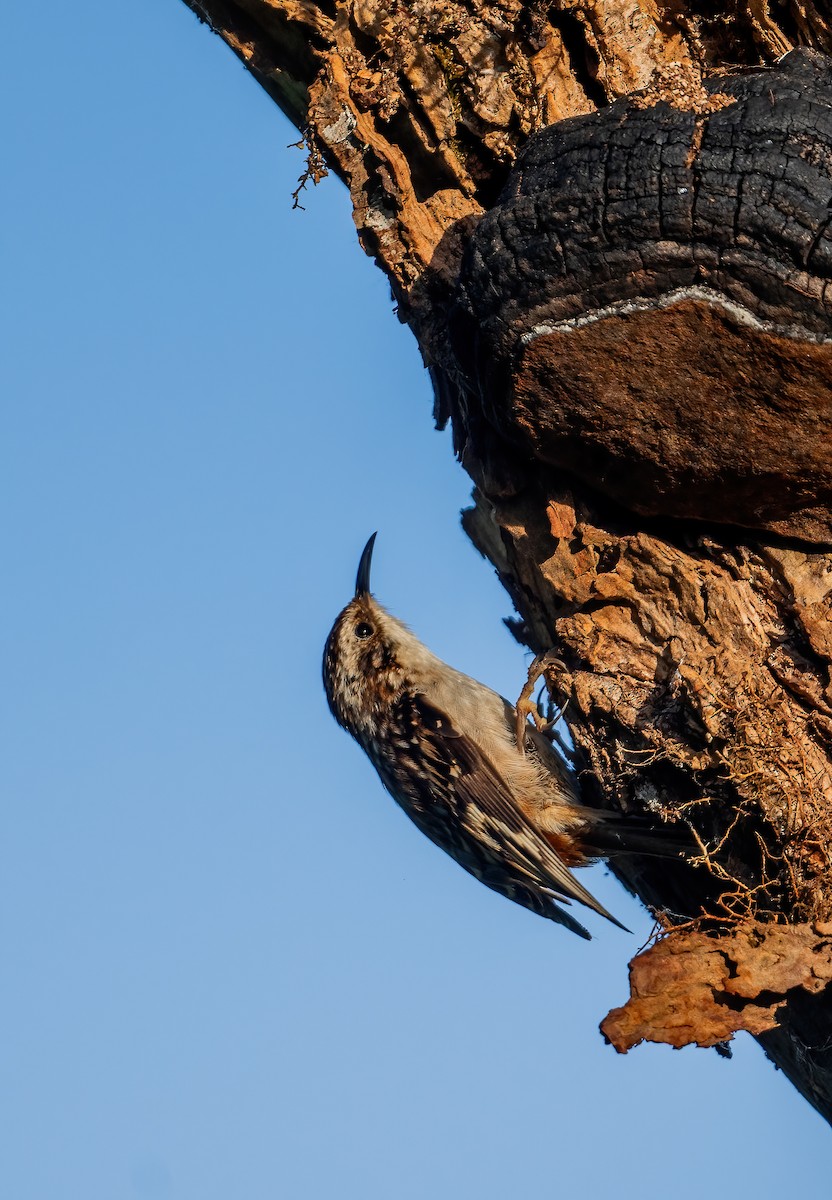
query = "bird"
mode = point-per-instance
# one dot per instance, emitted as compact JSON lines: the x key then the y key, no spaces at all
{"x":445,"y":747}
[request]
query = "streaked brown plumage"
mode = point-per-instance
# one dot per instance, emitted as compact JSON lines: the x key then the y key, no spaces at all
{"x":444,"y":747}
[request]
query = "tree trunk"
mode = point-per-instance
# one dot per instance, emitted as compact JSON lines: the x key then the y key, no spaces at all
{"x":628,"y":320}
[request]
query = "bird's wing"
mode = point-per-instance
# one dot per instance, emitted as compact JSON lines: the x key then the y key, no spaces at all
{"x":488,"y":813}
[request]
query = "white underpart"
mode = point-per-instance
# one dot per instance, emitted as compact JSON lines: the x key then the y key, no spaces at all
{"x":488,"y":719}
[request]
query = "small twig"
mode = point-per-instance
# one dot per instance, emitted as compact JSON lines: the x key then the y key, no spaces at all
{"x":315,"y":170}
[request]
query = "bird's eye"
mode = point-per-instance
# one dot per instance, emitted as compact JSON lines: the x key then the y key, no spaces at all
{"x":363,"y":630}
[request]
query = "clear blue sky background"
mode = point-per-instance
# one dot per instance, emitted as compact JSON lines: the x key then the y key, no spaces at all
{"x":231,"y":968}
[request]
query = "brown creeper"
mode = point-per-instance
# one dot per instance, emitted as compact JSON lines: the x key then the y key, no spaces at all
{"x":445,"y":748}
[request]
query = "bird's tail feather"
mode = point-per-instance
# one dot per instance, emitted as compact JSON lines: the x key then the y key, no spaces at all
{"x":611,"y":834}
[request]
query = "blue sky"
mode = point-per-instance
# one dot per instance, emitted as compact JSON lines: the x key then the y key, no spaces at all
{"x":231,"y":968}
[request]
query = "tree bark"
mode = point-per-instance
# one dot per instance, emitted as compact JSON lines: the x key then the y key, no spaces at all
{"x":628,"y":320}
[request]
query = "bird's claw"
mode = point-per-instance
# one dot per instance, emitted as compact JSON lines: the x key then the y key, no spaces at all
{"x":526,"y":706}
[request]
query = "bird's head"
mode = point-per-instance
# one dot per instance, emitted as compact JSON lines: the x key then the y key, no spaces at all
{"x":366,"y":657}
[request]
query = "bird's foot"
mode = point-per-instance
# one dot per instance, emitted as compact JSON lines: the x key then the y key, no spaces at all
{"x":527,"y":707}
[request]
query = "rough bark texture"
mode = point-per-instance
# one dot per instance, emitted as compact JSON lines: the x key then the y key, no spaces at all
{"x":649,"y":305}
{"x":627,"y":320}
{"x":695,"y":988}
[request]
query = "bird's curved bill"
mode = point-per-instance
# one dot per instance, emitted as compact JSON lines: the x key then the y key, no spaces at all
{"x":362,"y":579}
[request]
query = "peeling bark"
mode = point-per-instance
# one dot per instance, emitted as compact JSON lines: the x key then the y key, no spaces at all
{"x":694,"y":988}
{"x":689,"y":599}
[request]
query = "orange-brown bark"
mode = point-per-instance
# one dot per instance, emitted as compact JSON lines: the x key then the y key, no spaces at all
{"x":694,"y":988}
{"x":696,"y":656}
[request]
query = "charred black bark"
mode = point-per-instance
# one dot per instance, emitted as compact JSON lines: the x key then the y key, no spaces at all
{"x":649,"y":305}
